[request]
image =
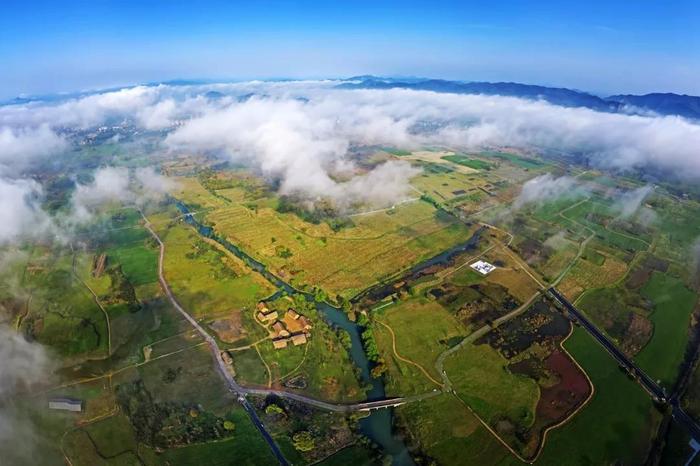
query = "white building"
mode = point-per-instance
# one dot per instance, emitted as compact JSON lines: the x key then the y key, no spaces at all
{"x":483,"y":267}
{"x":66,"y":404}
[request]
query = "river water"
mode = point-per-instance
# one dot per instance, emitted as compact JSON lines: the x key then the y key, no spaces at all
{"x":378,"y":426}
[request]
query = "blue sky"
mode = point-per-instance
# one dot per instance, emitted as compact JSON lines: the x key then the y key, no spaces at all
{"x":600,"y":46}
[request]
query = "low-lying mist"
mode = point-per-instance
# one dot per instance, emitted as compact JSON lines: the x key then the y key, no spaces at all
{"x":301,"y":135}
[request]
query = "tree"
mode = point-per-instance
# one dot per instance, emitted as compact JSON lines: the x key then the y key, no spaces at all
{"x":345,"y":339}
{"x":320,"y":295}
{"x":304,"y":441}
{"x":378,"y":370}
{"x":273,"y":409}
{"x":344,"y":303}
{"x":229,"y":425}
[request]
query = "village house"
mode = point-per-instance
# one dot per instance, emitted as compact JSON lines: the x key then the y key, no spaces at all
{"x":262,"y":307}
{"x":280,"y":343}
{"x":305,"y":323}
{"x":267,"y":317}
{"x":293,"y":327}
{"x":279,"y":329}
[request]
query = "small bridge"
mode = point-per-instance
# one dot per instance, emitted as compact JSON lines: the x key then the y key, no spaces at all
{"x":379,"y":404}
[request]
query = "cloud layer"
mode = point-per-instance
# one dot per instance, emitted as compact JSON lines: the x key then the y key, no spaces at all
{"x":303,"y":133}
{"x":22,"y":214}
{"x":23,"y":365}
{"x":547,"y":188}
{"x":116,"y":184}
{"x":313,"y":121}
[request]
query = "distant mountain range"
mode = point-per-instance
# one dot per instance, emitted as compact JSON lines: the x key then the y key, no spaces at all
{"x":663,"y":104}
{"x":687,"y":106}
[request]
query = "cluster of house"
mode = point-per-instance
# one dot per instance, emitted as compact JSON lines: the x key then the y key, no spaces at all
{"x":291,"y":328}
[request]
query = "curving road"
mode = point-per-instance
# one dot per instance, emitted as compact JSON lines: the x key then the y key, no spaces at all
{"x":241,"y":391}
{"x":475,"y":335}
{"x":216,"y":352}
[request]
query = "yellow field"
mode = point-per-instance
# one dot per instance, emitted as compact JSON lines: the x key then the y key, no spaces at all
{"x":190,"y":191}
{"x":344,"y":262}
{"x":511,"y":275}
{"x":209,"y":284}
{"x":585,"y":275}
{"x":437,"y":157}
{"x":447,"y":186}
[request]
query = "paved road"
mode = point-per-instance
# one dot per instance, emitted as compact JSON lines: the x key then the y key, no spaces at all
{"x":243,"y":391}
{"x":475,"y":335}
{"x":653,"y":388}
{"x":216,"y":352}
{"x":266,"y":435}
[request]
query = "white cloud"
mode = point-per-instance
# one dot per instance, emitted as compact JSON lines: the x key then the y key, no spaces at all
{"x":151,"y":184}
{"x":18,"y":146}
{"x":629,"y":202}
{"x":546,"y":188}
{"x":557,"y":241}
{"x":109,"y":184}
{"x":22,"y":214}
{"x":300,"y":132}
{"x":302,"y":144}
{"x":23,"y":365}
{"x":116,"y":184}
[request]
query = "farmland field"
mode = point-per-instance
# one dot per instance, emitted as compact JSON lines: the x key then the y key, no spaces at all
{"x":492,"y":370}
{"x":672,"y":305}
{"x":308,"y":255}
{"x":504,"y":400}
{"x":629,"y":416}
{"x":423,"y":329}
{"x":446,"y":430}
{"x":207,"y":280}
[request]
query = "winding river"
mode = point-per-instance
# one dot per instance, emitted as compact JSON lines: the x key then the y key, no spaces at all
{"x":378,"y":426}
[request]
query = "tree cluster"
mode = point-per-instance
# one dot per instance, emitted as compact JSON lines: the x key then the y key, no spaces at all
{"x":169,"y":424}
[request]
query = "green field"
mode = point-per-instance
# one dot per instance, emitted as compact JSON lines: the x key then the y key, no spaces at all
{"x":673,"y":303}
{"x":422,"y":330}
{"x":62,"y":313}
{"x":140,"y":264}
{"x":616,"y":425}
{"x":445,"y":430}
{"x":468,"y":162}
{"x":246,"y":447}
{"x":250,"y":369}
{"x":480,"y":377}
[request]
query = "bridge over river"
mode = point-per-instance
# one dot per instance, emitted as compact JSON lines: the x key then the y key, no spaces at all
{"x":338,"y":407}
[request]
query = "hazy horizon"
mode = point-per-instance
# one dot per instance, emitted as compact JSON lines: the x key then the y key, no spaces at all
{"x":601,"y":48}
